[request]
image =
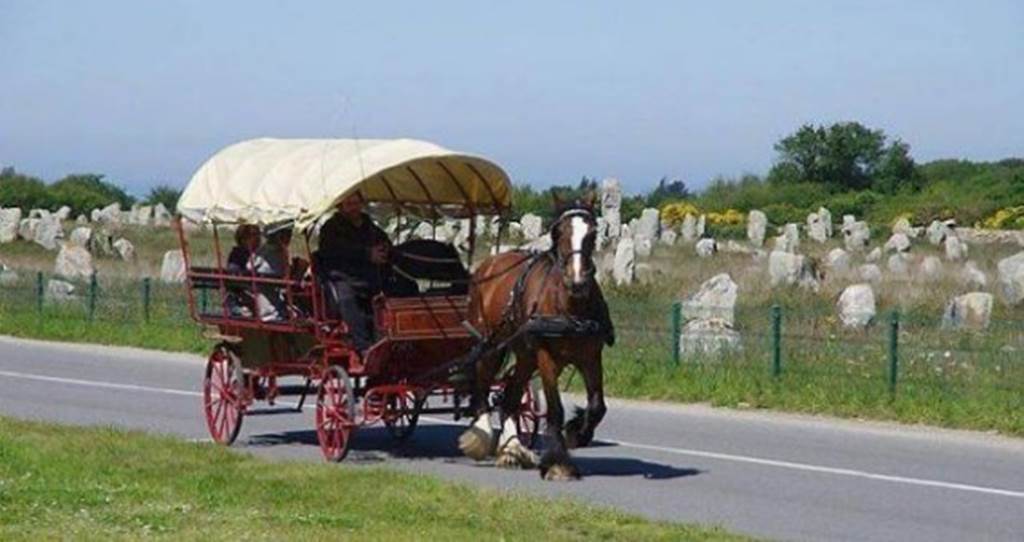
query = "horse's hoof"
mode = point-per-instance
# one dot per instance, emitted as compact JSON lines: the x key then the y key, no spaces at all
{"x":561,"y":472}
{"x":476,"y":443}
{"x":516,"y":456}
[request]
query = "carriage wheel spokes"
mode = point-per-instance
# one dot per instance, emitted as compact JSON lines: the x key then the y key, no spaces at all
{"x":335,"y":413}
{"x":404,"y":414}
{"x":223,"y":404}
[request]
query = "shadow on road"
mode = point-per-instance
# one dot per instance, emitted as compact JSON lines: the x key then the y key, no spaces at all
{"x":430,"y":442}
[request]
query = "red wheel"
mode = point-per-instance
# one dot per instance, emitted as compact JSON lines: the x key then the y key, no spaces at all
{"x":403,"y":414}
{"x":530,"y":414}
{"x":335,"y":413}
{"x":223,"y":388}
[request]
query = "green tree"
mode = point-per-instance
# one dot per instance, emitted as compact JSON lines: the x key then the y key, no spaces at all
{"x":86,"y":191}
{"x":165,"y":194}
{"x":844,"y":156}
{"x":24,"y":191}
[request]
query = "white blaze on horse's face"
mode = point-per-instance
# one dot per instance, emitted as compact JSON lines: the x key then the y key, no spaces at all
{"x":579,"y":228}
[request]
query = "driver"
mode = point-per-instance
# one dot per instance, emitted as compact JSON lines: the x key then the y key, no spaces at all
{"x":353,"y":252}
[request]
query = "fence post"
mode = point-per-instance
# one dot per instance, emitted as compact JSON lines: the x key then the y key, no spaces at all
{"x":92,"y":296}
{"x":776,"y":340}
{"x":677,"y":322}
{"x":39,"y":292}
{"x":894,"y":331}
{"x":146,"y":287}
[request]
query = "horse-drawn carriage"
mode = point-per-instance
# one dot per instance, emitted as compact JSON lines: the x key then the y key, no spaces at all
{"x":409,"y":370}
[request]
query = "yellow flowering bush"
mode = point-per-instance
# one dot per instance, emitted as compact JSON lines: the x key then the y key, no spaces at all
{"x":1011,"y":218}
{"x":674,"y":213}
{"x":730,"y":217}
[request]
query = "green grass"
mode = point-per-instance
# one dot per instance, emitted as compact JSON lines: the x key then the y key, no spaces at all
{"x":60,"y":482}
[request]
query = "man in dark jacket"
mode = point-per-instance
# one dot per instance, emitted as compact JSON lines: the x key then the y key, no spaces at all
{"x":353,"y":256}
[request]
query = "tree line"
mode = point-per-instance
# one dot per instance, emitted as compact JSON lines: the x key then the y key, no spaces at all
{"x":82,"y":192}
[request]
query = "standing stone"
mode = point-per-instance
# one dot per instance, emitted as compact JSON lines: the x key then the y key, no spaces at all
{"x":870,"y":273}
{"x":63,"y":213}
{"x":956,"y":250}
{"x":706,"y":247}
{"x":125,"y":250}
{"x":643,"y":246}
{"x":786,"y":268}
{"x":757,"y":225}
{"x":60,"y":291}
{"x":689,"y":228}
{"x":611,"y":204}
{"x":707,"y":336}
{"x":930,"y":268}
{"x":8,"y":277}
{"x":10,"y":219}
{"x":73,"y":262}
{"x":857,"y":305}
{"x":624,"y":268}
{"x":81,"y":236}
{"x":899,"y":265}
{"x":969,"y":311}
{"x":648,"y":224}
{"x":668,"y":236}
{"x":161,"y":216}
{"x":532,"y":225}
{"x":838,"y":261}
{"x":172,"y":270}
{"x":849,"y":220}
{"x":899,"y":242}
{"x":972,"y":276}
{"x":825,"y":217}
{"x":790,"y":238}
{"x":856,"y":235}
{"x":424,"y":230}
{"x":701,"y":223}
{"x":143,"y":215}
{"x":1011,"y":278}
{"x":937,"y":232}
{"x":874,"y":255}
{"x":39,"y":213}
{"x":716,"y":298}
{"x":27,"y":228}
{"x":82,"y":220}
{"x":816,"y":228}
{"x":49,"y":232}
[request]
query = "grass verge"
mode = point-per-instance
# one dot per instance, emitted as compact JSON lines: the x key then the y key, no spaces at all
{"x":60,"y":482}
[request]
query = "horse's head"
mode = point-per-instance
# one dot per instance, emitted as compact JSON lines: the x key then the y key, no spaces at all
{"x":573,"y":236}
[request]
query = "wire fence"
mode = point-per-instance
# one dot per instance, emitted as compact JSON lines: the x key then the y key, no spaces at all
{"x":896,"y":351}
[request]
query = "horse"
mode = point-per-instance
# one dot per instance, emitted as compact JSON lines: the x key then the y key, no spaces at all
{"x":548,"y":310}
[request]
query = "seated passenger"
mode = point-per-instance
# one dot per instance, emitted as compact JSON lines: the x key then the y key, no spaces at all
{"x":247,"y":241}
{"x":353,"y":254}
{"x":271,"y":260}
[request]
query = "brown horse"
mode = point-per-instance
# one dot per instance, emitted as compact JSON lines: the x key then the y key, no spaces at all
{"x":511,"y":294}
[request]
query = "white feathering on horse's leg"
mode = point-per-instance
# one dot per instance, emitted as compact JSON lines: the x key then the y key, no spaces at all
{"x":511,"y":452}
{"x":477,"y":442}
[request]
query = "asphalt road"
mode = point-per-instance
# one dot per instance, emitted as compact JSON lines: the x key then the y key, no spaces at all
{"x":769,"y":475}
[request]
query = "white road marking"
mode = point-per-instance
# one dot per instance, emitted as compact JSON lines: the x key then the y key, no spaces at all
{"x":99,"y":384}
{"x":806,"y":467}
{"x":821,"y":469}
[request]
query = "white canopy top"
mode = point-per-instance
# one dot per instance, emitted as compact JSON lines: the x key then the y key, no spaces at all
{"x":265,"y":181}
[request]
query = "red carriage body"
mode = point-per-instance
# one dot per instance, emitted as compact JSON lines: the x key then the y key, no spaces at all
{"x":404,"y":373}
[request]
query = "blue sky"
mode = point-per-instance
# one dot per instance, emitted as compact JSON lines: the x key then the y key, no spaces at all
{"x":145,"y":91}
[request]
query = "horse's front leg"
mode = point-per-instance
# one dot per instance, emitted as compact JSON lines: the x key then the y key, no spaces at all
{"x":555,"y":463}
{"x":511,"y":452}
{"x":579,"y":432}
